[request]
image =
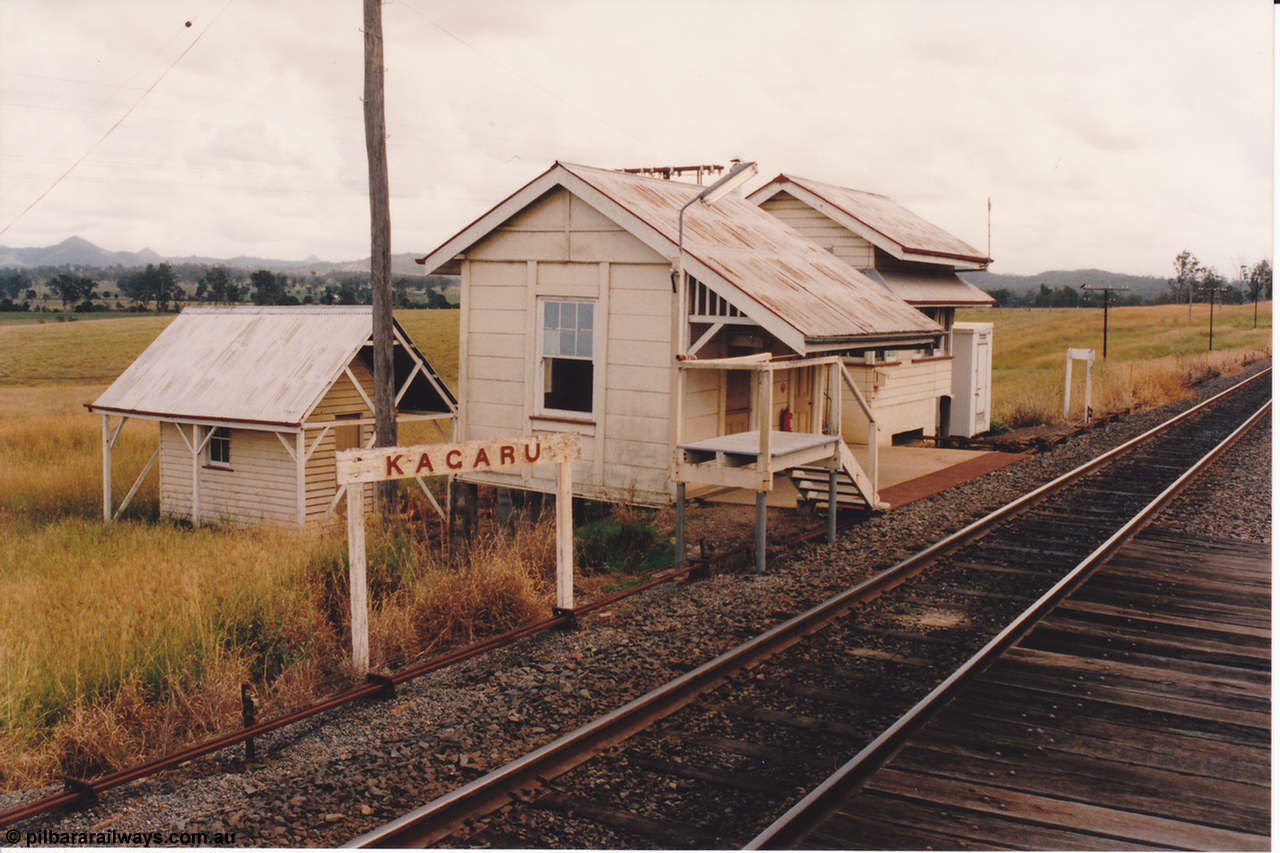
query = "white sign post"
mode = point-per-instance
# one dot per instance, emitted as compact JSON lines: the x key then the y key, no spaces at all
{"x":1085,"y":355}
{"x":356,"y":467}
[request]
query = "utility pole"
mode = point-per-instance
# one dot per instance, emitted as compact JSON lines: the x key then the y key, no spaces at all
{"x":1212,"y":290}
{"x":375,"y":141}
{"x":1106,"y":305}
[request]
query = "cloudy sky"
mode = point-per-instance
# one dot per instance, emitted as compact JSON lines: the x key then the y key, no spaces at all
{"x":1107,"y":134}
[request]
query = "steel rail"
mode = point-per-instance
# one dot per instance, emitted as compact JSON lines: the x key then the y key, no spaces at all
{"x":792,"y":826}
{"x":82,"y":791}
{"x":436,"y":819}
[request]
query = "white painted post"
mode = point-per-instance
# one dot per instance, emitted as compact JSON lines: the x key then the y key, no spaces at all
{"x":300,"y":471}
{"x":564,"y":536}
{"x":359,"y":594}
{"x":195,"y":474}
{"x":106,"y":468}
{"x":1066,"y":394}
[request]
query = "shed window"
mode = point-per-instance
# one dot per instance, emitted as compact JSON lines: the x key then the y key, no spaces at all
{"x":568,"y":355}
{"x":220,"y":446}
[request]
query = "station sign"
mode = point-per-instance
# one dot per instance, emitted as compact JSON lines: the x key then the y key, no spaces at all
{"x":431,"y":460}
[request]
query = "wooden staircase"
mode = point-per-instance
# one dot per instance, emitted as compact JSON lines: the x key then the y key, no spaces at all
{"x":811,"y":483}
{"x":853,"y":486}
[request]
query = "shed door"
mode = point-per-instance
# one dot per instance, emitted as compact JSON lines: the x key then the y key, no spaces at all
{"x":737,"y":400}
{"x":981,"y":379}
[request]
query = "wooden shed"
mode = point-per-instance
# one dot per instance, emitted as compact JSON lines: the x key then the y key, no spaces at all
{"x":251,"y":405}
{"x":572,"y":319}
{"x":910,"y":389}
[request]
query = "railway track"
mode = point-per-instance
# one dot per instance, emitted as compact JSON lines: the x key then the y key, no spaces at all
{"x":709,"y":759}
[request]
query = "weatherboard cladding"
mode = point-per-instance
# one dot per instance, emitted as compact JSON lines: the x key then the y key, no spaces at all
{"x":268,"y":365}
{"x":885,"y":217}
{"x":766,"y":260}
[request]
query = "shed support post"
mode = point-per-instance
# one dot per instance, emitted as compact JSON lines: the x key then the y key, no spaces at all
{"x":564,"y":537}
{"x":195,"y":474}
{"x":760,"y":530}
{"x":106,"y":468}
{"x":359,"y":594}
{"x":831,"y":506}
{"x":678,"y":563}
{"x":300,"y":461}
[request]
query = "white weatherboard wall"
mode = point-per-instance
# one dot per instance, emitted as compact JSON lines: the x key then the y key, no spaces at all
{"x":261,"y":484}
{"x":821,"y":229}
{"x":903,"y":395}
{"x":562,"y":247}
{"x":341,"y":399}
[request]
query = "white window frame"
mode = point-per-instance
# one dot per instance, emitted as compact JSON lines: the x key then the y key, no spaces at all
{"x":220,"y":434}
{"x":540,"y":371}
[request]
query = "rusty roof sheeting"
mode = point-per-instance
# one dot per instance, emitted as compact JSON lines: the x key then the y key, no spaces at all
{"x":804,"y":285}
{"x":253,"y":364}
{"x":921,"y":288}
{"x":890,"y":219}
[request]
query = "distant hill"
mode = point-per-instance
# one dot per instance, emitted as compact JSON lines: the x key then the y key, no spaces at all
{"x":76,"y":251}
{"x":1142,"y":285}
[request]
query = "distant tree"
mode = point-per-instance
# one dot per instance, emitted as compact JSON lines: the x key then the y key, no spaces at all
{"x":435,"y":299}
{"x":134,"y":286}
{"x":400,"y":291}
{"x":267,"y":289}
{"x":1260,"y":280}
{"x":1187,"y":272}
{"x":72,"y":288}
{"x":1003,"y":296}
{"x":162,"y":284}
{"x":347,"y":296}
{"x":13,"y":282}
{"x":31,"y":293}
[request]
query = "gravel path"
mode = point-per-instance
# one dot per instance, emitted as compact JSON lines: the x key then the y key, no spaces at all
{"x":323,"y":782}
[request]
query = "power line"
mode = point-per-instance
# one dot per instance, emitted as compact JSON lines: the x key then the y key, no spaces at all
{"x":118,"y":121}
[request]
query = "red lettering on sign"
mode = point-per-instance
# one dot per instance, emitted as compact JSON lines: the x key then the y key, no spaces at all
{"x":393,"y":465}
{"x":506,"y":455}
{"x":424,"y":462}
{"x":480,"y":454}
{"x":534,"y":457}
{"x":453,"y":459}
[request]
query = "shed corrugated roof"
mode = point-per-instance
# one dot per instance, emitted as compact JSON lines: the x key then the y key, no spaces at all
{"x":886,"y":217}
{"x":252,"y":364}
{"x":923,"y":288}
{"x":788,"y":274}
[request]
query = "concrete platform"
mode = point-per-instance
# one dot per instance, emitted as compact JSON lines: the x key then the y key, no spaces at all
{"x":906,"y":474}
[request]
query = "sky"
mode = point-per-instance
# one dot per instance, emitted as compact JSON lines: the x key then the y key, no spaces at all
{"x":1106,"y":134}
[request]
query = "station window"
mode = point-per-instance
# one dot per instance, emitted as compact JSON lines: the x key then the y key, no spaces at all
{"x":567,"y":360}
{"x":220,"y":447}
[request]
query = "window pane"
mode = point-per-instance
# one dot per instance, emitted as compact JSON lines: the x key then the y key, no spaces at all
{"x":566,"y":343}
{"x":584,"y":342}
{"x":550,"y":342}
{"x":585,"y":311}
{"x":552,"y":319}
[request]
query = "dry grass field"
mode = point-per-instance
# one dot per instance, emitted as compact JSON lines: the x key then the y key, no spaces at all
{"x":1154,"y":355}
{"x":122,"y":641}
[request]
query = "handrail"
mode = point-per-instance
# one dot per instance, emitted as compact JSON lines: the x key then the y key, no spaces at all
{"x":873,"y":441}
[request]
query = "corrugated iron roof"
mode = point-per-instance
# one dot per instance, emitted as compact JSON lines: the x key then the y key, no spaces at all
{"x":920,"y":288}
{"x":247,"y":363}
{"x":886,"y":217}
{"x":786,"y":273}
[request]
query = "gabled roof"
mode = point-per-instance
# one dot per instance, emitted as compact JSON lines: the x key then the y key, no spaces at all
{"x":876,"y":218}
{"x":764,"y":268}
{"x":930,"y":288}
{"x":268,"y":365}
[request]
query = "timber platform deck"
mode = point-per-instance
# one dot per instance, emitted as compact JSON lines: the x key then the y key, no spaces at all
{"x":1135,"y":716}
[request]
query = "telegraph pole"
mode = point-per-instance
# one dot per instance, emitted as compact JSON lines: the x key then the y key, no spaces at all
{"x":375,"y":140}
{"x":1106,"y":305}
